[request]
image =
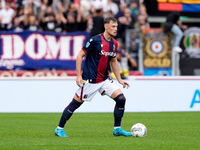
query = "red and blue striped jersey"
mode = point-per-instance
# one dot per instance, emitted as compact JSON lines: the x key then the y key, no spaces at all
{"x":99,"y":53}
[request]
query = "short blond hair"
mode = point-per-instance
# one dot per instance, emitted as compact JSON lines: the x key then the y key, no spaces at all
{"x":108,"y":19}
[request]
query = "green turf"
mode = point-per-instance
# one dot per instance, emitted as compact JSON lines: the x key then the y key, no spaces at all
{"x":93,"y":131}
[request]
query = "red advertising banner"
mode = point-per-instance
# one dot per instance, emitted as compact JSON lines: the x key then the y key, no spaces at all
{"x":24,"y":73}
{"x":39,"y":73}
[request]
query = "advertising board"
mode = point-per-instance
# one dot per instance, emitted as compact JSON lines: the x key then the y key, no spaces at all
{"x":146,"y":94}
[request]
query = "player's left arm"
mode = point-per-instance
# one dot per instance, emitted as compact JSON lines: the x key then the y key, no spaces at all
{"x":115,"y":68}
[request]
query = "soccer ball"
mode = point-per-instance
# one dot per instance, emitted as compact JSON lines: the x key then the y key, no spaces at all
{"x":139,"y":130}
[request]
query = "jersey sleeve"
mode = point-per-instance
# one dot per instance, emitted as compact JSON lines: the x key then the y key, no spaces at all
{"x":90,"y":45}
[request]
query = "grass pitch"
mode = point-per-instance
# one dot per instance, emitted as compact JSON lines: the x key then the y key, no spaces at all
{"x":93,"y":131}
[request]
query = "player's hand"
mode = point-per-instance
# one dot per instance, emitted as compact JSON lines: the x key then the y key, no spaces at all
{"x":124,"y":83}
{"x":79,"y":81}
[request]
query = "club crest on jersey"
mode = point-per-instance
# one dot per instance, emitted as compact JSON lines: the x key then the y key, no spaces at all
{"x":107,"y":53}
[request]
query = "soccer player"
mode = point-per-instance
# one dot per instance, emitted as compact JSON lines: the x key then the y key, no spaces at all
{"x":101,"y":52}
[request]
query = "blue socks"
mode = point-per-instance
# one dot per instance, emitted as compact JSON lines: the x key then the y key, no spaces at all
{"x":119,"y":109}
{"x":68,"y":111}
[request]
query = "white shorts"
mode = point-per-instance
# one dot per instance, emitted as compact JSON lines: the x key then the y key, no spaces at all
{"x":87,"y":91}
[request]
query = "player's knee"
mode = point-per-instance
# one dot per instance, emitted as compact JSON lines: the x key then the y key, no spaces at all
{"x":120,"y":100}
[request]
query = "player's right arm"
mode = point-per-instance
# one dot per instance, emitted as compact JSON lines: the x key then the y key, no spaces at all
{"x":89,"y":46}
{"x":79,"y":59}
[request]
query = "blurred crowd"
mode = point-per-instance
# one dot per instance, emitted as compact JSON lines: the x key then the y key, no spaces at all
{"x":64,"y":16}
